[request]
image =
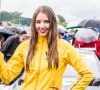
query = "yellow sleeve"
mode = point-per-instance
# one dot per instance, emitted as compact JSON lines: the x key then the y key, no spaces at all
{"x":78,"y":63}
{"x":11,"y":69}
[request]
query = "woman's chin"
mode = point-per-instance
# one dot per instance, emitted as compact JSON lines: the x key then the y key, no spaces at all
{"x":43,"y":34}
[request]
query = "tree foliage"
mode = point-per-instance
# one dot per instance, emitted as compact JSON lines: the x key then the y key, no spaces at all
{"x":25,"y":21}
{"x":14,"y":17}
{"x":61,"y":18}
{"x":62,"y":21}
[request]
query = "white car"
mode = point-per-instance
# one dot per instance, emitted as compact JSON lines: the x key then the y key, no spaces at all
{"x":91,"y":59}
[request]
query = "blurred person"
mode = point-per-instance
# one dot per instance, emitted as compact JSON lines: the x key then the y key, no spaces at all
{"x":13,"y":29}
{"x":66,"y":37}
{"x":60,"y":35}
{"x":73,"y":37}
{"x":45,"y":57}
{"x":10,"y":45}
{"x":23,"y":32}
{"x":2,"y":39}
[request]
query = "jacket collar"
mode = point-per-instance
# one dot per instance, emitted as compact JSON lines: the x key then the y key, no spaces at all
{"x":42,"y":39}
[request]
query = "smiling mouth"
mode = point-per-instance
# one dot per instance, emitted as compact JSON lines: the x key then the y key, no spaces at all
{"x":43,"y":31}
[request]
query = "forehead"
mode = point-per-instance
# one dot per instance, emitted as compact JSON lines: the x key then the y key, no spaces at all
{"x":41,"y":16}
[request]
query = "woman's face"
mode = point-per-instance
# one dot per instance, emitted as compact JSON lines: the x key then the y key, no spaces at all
{"x":42,"y":24}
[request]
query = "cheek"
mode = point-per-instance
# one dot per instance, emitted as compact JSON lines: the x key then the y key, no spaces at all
{"x":47,"y":25}
{"x":37,"y":26}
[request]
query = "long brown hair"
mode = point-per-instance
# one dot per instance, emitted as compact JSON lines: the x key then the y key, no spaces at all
{"x":52,"y":55}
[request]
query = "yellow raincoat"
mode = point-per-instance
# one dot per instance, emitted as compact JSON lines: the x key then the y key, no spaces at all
{"x":39,"y":77}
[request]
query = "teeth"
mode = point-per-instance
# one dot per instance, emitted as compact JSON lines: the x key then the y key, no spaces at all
{"x":42,"y":31}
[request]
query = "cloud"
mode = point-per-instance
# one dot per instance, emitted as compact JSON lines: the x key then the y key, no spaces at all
{"x":69,"y":9}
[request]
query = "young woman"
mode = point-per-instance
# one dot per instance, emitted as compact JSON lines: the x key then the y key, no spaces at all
{"x":44,"y":57}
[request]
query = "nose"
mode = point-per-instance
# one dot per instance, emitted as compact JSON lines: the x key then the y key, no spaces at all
{"x":42,"y":25}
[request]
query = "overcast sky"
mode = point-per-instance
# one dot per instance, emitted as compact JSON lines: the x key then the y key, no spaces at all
{"x":71,"y":10}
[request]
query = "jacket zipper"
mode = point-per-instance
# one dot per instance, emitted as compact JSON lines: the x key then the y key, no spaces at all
{"x":39,"y":67}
